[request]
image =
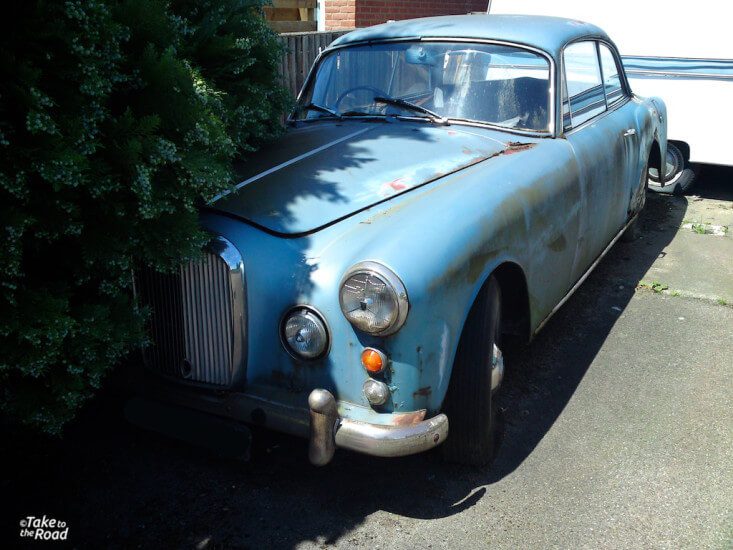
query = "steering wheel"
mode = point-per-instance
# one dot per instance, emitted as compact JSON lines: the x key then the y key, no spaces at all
{"x":342,"y":96}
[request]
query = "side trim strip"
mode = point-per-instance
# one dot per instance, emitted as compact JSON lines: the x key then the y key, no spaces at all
{"x":585,"y":276}
{"x":678,"y":67}
{"x":680,"y":74}
{"x":288,"y":163}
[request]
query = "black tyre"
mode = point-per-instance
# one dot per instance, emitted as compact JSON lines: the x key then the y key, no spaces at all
{"x":679,"y":175}
{"x":469,"y":405}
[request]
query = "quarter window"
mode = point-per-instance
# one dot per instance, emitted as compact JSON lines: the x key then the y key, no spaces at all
{"x":584,"y":97}
{"x":611,"y":78}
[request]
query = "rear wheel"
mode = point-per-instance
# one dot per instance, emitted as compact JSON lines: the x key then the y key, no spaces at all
{"x":477,"y":372}
{"x":678,"y":174}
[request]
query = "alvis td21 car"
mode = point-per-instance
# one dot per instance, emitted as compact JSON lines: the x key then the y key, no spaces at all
{"x":444,"y":185}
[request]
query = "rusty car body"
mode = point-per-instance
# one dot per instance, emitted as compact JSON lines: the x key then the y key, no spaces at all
{"x":439,"y":175}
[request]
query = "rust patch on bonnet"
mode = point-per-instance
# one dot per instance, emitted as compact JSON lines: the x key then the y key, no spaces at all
{"x":517,"y":147}
{"x":398,"y":184}
{"x":423,"y":392}
{"x":401,"y":185}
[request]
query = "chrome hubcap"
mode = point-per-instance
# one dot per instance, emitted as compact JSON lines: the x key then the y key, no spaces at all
{"x":497,"y":368}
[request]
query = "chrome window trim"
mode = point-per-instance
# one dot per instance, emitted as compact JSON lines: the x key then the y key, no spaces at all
{"x":600,"y":72}
{"x":551,"y":115}
{"x":600,"y":116}
{"x":619,"y":68}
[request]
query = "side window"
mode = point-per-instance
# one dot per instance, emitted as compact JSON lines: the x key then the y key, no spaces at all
{"x":611,"y":78}
{"x":583,"y":83}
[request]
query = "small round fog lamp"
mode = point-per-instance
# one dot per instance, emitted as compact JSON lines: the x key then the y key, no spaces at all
{"x":376,"y":392}
{"x":304,"y":333}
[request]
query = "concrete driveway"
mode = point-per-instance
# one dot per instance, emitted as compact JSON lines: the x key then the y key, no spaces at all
{"x":618,"y":434}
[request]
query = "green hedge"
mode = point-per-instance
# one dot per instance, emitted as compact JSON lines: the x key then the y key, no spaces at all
{"x":116,"y":119}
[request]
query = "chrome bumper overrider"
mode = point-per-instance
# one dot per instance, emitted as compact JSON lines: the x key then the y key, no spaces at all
{"x":328,"y":431}
{"x":322,"y":424}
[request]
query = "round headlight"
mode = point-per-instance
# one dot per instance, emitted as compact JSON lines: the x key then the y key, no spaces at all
{"x":373,"y":299}
{"x":304,"y":333}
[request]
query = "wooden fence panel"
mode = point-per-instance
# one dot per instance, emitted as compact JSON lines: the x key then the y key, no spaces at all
{"x":302,"y":48}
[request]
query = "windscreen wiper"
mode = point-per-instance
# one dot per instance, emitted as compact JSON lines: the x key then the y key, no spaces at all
{"x":434,"y":117}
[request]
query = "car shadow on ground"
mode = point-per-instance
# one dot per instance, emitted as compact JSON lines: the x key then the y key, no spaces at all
{"x":120,"y":487}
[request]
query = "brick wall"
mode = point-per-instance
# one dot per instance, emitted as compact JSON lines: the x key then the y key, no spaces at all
{"x":347,"y":14}
{"x":340,"y":14}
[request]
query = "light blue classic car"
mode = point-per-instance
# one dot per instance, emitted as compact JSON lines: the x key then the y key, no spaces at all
{"x":444,"y":185}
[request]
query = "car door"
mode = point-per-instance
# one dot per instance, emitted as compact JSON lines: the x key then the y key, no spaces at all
{"x":623,"y":119}
{"x":597,"y":137}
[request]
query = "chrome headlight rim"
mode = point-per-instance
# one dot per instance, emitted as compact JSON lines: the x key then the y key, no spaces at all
{"x":395,"y":285}
{"x":319,"y":317}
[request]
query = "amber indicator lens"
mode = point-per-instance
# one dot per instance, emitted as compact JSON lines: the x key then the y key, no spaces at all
{"x":372,"y":360}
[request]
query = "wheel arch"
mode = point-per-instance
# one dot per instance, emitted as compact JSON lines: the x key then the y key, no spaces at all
{"x":515,"y":302}
{"x":515,"y":310}
{"x":655,"y":155}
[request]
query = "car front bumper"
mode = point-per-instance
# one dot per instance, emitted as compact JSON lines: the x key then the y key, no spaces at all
{"x":328,"y":430}
{"x":321,"y":423}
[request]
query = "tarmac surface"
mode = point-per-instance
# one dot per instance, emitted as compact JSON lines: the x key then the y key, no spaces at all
{"x":618,"y":434}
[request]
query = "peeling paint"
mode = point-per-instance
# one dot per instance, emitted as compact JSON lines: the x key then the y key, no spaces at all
{"x":464,"y":269}
{"x":558,"y":244}
{"x":517,"y":146}
{"x":422,"y":392}
{"x":408,"y":418}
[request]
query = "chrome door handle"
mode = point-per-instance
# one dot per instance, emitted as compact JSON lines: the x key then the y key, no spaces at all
{"x":630,"y":132}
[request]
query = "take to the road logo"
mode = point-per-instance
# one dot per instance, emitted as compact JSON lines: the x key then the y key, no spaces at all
{"x":43,"y":528}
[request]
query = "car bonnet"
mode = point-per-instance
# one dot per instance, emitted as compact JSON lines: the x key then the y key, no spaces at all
{"x":324,"y":172}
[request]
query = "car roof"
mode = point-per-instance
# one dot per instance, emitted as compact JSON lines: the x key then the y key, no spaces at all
{"x":549,"y":34}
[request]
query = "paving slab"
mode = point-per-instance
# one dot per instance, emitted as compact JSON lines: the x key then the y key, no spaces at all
{"x":696,"y":265}
{"x":710,"y":211}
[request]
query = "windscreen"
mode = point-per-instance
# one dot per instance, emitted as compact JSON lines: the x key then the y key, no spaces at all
{"x":495,"y":84}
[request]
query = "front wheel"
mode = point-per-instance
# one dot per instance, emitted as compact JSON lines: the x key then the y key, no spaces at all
{"x":477,"y":372}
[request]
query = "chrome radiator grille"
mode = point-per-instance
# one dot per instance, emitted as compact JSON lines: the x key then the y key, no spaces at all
{"x":197,"y":317}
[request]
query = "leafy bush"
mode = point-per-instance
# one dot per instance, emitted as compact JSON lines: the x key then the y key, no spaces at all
{"x":116,"y":119}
